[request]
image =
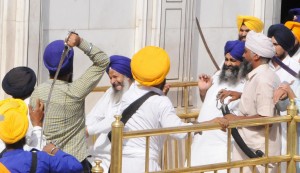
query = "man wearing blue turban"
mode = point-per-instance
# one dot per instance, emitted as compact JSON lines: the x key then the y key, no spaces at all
{"x":215,"y":141}
{"x":64,"y":121}
{"x":99,"y":120}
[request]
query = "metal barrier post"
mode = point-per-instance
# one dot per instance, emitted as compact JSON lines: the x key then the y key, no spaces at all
{"x":116,"y":145}
{"x":291,"y":144}
{"x":97,"y":168}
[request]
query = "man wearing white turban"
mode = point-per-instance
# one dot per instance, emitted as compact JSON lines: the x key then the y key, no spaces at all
{"x":257,"y":100}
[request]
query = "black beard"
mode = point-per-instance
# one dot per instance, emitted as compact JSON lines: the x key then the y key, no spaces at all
{"x":229,"y":74}
{"x":245,"y":68}
{"x":242,"y":38}
{"x":294,"y":50}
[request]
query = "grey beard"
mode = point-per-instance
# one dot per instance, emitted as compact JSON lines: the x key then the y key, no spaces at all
{"x":245,"y":68}
{"x":117,"y":95}
{"x":229,"y":74}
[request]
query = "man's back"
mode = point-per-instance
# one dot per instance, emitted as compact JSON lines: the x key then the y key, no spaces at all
{"x":156,"y":112}
{"x":19,"y":160}
{"x":64,"y":121}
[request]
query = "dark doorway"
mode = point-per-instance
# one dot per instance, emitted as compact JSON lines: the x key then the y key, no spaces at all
{"x":286,"y":5}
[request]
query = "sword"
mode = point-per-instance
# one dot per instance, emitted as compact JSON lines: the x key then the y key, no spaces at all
{"x":206,"y":46}
{"x":47,"y":104}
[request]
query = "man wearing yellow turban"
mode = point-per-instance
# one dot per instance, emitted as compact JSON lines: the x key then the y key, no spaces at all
{"x":248,"y":23}
{"x":149,"y":67}
{"x":3,"y":169}
{"x":13,"y":128}
{"x":295,"y":28}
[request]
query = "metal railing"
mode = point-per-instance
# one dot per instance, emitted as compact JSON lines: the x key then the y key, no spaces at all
{"x":291,"y":157}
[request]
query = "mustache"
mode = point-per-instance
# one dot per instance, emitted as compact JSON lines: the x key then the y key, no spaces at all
{"x":117,"y":84}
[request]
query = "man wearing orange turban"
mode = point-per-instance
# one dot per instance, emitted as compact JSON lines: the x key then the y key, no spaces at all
{"x":295,"y":28}
{"x":13,"y":128}
{"x":149,"y":68}
{"x":248,"y":23}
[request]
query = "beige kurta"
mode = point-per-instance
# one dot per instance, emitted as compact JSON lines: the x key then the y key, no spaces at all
{"x":257,"y":99}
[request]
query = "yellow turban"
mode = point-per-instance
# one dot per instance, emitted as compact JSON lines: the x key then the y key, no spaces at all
{"x":294,"y":27}
{"x":251,"y":22}
{"x":150,"y":65}
{"x":3,"y":169}
{"x":13,"y":120}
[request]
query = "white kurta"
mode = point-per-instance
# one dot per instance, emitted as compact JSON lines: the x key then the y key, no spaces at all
{"x":155,"y":112}
{"x":33,"y":136}
{"x":296,"y":56}
{"x":98,"y":123}
{"x":211,"y":146}
{"x":284,"y":76}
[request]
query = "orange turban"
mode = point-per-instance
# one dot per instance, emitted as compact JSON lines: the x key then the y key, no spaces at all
{"x":13,"y":120}
{"x":294,"y":27}
{"x":150,"y":65}
{"x":253,"y":23}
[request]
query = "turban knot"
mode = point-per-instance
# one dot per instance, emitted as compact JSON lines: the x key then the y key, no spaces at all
{"x":52,"y":56}
{"x":235,"y":49}
{"x":13,"y":120}
{"x":150,"y":65}
{"x":19,"y":82}
{"x":295,"y":28}
{"x":282,"y":35}
{"x":295,"y":12}
{"x":121,"y":64}
{"x":251,"y":22}
{"x":260,"y":44}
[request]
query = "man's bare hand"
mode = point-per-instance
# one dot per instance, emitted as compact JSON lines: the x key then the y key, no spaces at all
{"x":224,"y":123}
{"x":228,"y":93}
{"x":73,"y":39}
{"x":37,"y":114}
{"x":204,"y":82}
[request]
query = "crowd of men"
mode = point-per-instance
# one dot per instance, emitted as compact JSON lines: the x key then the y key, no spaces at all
{"x":257,"y":77}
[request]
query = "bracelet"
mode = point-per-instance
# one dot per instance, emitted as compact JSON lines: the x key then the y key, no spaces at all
{"x":53,"y":149}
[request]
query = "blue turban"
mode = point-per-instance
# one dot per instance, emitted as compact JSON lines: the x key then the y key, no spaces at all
{"x":52,"y":57}
{"x":295,"y":12}
{"x":121,"y":64}
{"x":284,"y":37}
{"x":235,"y":49}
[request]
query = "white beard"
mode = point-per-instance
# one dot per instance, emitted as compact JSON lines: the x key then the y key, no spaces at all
{"x":117,"y":95}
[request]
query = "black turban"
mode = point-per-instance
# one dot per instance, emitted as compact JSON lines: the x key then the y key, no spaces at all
{"x":284,"y":37}
{"x":19,"y":82}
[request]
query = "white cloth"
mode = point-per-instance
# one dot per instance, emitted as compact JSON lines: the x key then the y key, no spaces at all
{"x":155,"y":112}
{"x":260,"y":44}
{"x":211,"y":146}
{"x":33,"y":136}
{"x":284,"y":76}
{"x":98,"y":123}
{"x":296,"y":56}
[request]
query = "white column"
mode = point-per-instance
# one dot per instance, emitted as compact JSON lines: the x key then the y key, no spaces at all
{"x":13,"y":35}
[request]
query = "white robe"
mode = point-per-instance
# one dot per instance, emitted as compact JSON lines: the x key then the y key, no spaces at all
{"x":98,"y":123}
{"x":155,"y":112}
{"x":296,"y":56}
{"x":211,"y":146}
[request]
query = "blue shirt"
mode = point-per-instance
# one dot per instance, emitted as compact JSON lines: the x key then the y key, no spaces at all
{"x":19,"y":161}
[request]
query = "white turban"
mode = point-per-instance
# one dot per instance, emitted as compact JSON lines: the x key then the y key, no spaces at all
{"x":260,"y":44}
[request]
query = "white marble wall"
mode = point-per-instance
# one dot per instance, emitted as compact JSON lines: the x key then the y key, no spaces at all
{"x":13,"y":35}
{"x":118,"y":27}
